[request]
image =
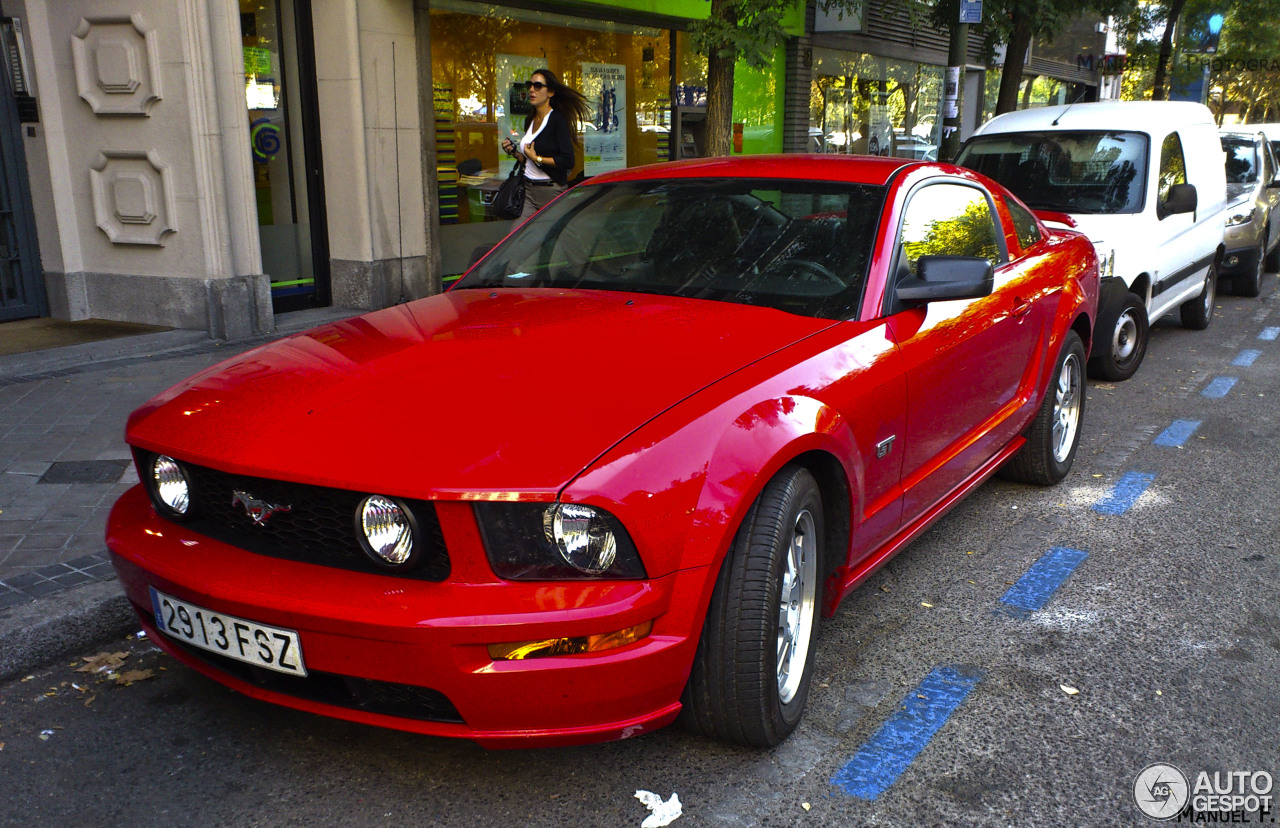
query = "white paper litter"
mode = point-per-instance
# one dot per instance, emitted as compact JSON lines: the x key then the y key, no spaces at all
{"x":664,"y":813}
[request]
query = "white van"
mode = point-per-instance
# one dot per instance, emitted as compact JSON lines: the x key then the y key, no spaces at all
{"x":1146,"y":182}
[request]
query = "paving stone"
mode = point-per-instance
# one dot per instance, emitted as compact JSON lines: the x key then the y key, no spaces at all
{"x":71,"y":579}
{"x":85,"y":471}
{"x":12,"y":599}
{"x":41,"y":588}
{"x":23,"y":581}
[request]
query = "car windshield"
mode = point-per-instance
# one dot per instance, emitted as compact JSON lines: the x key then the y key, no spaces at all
{"x":1072,"y":172}
{"x":1242,"y":160}
{"x":799,"y":246}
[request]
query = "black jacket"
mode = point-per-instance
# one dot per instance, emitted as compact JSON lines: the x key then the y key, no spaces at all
{"x":555,"y":141}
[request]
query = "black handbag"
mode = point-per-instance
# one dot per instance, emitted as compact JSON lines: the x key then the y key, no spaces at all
{"x":508,"y":201}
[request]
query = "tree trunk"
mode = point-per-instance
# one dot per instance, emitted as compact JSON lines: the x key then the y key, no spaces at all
{"x":719,"y":123}
{"x":1015,"y":56}
{"x":1166,"y":49}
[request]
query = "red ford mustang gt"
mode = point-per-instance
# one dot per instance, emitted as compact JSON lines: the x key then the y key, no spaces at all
{"x":618,"y":473}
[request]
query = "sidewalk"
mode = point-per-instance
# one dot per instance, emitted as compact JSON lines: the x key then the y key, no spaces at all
{"x":63,"y":463}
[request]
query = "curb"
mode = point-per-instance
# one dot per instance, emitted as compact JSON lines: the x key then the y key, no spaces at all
{"x":66,"y":623}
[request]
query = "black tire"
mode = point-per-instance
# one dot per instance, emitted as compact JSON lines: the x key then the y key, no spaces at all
{"x":873,"y":146}
{"x":1250,"y":284}
{"x":736,"y":691}
{"x":1054,"y":435}
{"x":1197,"y":311}
{"x":1273,"y":258}
{"x":1122,"y":335}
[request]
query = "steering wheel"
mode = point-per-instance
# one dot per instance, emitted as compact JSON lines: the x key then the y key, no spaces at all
{"x":821,"y":271}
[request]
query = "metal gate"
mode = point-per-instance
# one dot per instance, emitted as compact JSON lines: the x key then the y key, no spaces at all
{"x":21,"y":285}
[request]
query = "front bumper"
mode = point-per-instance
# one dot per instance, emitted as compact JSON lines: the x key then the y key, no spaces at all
{"x":359,"y":631}
{"x":1239,"y":260}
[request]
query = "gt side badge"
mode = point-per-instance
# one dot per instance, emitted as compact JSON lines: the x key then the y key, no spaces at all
{"x":883,"y":447}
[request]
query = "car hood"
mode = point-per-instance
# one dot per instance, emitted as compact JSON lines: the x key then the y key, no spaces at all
{"x":474,"y":393}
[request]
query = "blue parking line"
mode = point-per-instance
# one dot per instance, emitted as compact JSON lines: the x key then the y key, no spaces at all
{"x":1124,"y":494}
{"x":1269,"y":334}
{"x":1246,"y":357}
{"x":1034,"y":589}
{"x":1218,"y":389}
{"x":883,"y":758}
{"x":1177,"y":433}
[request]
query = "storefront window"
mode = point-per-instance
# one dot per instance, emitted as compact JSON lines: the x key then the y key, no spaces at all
{"x":872,"y":105}
{"x":482,"y":55}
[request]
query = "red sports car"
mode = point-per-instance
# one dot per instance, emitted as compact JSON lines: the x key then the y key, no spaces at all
{"x":618,"y":472}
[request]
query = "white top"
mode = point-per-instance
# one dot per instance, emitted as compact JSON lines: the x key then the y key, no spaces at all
{"x":531,"y":170}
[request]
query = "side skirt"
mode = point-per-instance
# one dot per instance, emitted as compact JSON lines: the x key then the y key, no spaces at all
{"x":849,"y":579}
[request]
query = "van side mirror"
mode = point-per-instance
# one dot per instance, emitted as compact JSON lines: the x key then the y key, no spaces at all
{"x":1181,"y":199}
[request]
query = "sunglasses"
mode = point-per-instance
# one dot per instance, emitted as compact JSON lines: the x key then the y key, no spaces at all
{"x":534,"y":85}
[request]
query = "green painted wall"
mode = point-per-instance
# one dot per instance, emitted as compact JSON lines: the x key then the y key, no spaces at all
{"x":793,"y":22}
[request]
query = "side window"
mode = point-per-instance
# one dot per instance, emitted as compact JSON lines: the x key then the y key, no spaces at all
{"x":1024,"y":224}
{"x":948,"y":220}
{"x":1173,"y":168}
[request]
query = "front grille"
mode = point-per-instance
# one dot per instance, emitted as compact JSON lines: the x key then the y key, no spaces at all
{"x":319,"y":528}
{"x":406,"y":701}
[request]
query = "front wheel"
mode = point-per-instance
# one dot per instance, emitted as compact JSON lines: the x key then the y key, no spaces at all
{"x":1198,"y":311}
{"x":754,"y":663}
{"x":1054,"y":435}
{"x":1123,"y":336}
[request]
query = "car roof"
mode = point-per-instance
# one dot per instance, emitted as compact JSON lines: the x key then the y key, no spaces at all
{"x":1272,"y":131}
{"x":1139,"y":116}
{"x":854,"y":169}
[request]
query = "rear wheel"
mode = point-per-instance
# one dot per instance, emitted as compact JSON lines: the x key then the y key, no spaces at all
{"x":1250,"y":284}
{"x":754,"y":662}
{"x":1054,"y":435}
{"x":1198,"y":311}
{"x":1124,"y":339}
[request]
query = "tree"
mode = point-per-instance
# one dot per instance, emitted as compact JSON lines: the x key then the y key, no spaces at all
{"x":747,"y":30}
{"x":1172,"y":11}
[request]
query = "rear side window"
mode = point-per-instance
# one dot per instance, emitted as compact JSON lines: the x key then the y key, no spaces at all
{"x":1173,"y":167}
{"x":1024,"y":224}
{"x":948,"y":220}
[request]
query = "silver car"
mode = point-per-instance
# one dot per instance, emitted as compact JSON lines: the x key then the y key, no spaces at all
{"x":1252,"y":235}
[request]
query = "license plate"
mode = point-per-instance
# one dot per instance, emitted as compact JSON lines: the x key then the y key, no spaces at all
{"x":274,"y":648}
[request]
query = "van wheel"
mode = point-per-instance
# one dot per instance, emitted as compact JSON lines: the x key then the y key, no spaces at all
{"x":755,"y":658}
{"x":1123,"y":333}
{"x":1250,"y":284}
{"x":1054,"y":435}
{"x":1198,"y":311}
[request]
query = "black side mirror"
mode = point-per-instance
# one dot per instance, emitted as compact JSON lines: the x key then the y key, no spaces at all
{"x":1181,"y":199}
{"x":948,"y":277}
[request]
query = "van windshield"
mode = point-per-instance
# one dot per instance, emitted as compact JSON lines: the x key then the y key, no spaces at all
{"x":1071,"y":172}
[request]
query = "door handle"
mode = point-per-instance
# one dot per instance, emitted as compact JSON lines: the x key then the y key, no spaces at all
{"x":1021,"y":307}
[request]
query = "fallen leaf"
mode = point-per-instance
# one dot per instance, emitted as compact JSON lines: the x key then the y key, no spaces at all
{"x":89,"y":700}
{"x":1097,"y":475}
{"x":926,"y":604}
{"x":804,"y":805}
{"x":130,"y":676}
{"x":1158,"y":693}
{"x":102,"y":662}
{"x":1068,"y":689}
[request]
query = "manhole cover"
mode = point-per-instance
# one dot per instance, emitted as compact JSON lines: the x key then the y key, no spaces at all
{"x":85,"y":471}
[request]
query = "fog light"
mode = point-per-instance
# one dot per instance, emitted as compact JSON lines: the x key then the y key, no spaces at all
{"x":170,"y":484}
{"x":386,"y":532}
{"x":569,"y":646}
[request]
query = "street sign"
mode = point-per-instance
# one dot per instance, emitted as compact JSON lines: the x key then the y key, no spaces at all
{"x":970,"y":11}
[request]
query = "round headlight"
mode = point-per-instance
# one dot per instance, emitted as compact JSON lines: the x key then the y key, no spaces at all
{"x":386,"y":532}
{"x":581,"y":536}
{"x":169,"y":484}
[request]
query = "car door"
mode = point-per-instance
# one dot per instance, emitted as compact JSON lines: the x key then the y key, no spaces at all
{"x":966,"y":360}
{"x":1175,"y":276}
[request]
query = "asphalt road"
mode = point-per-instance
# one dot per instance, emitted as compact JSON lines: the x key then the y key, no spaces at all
{"x":1169,"y":631}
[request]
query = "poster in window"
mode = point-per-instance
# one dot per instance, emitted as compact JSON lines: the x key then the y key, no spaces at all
{"x":512,"y":106}
{"x":604,"y":139}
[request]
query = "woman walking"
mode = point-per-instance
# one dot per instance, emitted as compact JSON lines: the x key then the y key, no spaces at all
{"x":547,"y":144}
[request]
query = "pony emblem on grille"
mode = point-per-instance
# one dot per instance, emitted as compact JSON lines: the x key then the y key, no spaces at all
{"x":259,"y":510}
